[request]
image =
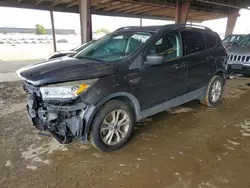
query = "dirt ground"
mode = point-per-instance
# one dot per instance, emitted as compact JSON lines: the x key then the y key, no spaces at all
{"x":187,"y":147}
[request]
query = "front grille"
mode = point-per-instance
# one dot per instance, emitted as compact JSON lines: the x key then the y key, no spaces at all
{"x":240,"y":58}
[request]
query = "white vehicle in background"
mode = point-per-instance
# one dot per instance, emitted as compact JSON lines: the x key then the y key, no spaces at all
{"x":62,"y":41}
{"x":43,"y":41}
{"x":30,"y":41}
{"x":11,"y":41}
{"x":27,"y":41}
{"x":2,"y":41}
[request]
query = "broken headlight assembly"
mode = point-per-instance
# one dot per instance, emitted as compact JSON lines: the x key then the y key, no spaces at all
{"x":67,"y":90}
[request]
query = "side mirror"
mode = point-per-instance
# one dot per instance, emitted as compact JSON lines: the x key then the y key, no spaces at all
{"x":154,"y":60}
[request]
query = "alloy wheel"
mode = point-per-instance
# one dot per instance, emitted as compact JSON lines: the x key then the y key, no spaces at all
{"x":216,"y":91}
{"x":115,"y":127}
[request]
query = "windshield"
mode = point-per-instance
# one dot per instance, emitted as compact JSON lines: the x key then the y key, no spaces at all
{"x":232,"y":38}
{"x":244,"y":42}
{"x":81,"y":47}
{"x":114,"y":47}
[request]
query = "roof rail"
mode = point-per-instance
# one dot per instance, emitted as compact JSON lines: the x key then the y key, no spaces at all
{"x":194,"y":26}
{"x":128,"y":27}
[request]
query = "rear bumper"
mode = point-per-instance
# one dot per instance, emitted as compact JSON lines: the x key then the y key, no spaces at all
{"x":64,"y":122}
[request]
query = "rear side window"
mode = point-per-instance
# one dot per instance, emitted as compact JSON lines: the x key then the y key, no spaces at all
{"x":193,"y":42}
{"x":211,"y":39}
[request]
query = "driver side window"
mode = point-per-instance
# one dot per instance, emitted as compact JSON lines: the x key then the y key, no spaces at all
{"x":168,"y":46}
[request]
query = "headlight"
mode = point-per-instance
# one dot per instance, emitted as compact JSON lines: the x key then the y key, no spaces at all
{"x":68,"y":90}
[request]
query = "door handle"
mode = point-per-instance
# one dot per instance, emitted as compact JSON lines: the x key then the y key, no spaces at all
{"x":135,"y":81}
{"x":183,"y":65}
{"x":178,"y":67}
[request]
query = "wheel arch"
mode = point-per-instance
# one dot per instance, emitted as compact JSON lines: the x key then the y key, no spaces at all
{"x":221,"y":73}
{"x":128,"y":98}
{"x":125,"y":97}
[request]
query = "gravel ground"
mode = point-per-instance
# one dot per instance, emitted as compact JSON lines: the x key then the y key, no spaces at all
{"x":186,"y":147}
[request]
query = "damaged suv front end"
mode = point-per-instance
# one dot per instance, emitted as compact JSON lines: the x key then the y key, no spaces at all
{"x":57,"y":109}
{"x":62,"y":95}
{"x":66,"y":95}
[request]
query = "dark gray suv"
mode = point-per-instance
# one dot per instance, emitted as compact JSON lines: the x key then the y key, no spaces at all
{"x":126,"y":76}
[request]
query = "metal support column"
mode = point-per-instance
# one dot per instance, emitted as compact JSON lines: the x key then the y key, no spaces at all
{"x":53,"y":30}
{"x":231,"y":21}
{"x":140,"y":22}
{"x":85,"y":20}
{"x":181,"y":12}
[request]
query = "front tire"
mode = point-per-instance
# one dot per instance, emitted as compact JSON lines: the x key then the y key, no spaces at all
{"x":112,"y":126}
{"x":214,"y":92}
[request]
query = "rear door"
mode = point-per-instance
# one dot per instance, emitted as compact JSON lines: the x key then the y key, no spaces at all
{"x":199,"y":58}
{"x":165,"y":81}
{"x":218,"y":53}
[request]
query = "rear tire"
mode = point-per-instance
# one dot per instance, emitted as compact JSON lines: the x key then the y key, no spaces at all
{"x":112,"y":126}
{"x":214,"y":92}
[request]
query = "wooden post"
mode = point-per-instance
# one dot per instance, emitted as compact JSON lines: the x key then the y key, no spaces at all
{"x":181,"y":12}
{"x":231,"y":21}
{"x":85,"y":19}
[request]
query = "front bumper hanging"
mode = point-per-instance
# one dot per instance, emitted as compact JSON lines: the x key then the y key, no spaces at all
{"x":64,"y":122}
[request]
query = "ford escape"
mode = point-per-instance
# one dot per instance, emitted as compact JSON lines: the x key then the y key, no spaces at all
{"x":128,"y":75}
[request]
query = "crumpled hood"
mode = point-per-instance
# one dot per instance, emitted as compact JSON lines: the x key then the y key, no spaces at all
{"x":65,"y":69}
{"x":239,"y":50}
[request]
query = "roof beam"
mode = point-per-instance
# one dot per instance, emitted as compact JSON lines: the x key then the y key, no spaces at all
{"x":104,"y":5}
{"x":56,"y":2}
{"x":96,"y":2}
{"x":150,"y":3}
{"x":117,"y":6}
{"x":129,"y":7}
{"x":73,"y":3}
{"x":146,"y":9}
{"x":38,"y":2}
{"x":136,"y":9}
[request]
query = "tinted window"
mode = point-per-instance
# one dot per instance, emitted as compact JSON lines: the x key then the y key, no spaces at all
{"x":168,"y":46}
{"x":211,"y":39}
{"x":193,"y":42}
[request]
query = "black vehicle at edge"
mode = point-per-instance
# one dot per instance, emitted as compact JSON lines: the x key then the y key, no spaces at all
{"x":130,"y":74}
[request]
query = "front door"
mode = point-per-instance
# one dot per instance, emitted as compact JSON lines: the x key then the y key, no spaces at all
{"x":166,"y":81}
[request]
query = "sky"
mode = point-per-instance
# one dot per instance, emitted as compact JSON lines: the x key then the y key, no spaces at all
{"x":15,"y":17}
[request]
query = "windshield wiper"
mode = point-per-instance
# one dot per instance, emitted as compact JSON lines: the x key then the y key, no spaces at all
{"x":89,"y":58}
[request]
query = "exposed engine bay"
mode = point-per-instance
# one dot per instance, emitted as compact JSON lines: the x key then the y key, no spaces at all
{"x":64,"y":120}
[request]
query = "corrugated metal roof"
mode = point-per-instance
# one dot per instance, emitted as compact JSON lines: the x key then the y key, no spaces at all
{"x":200,"y":10}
